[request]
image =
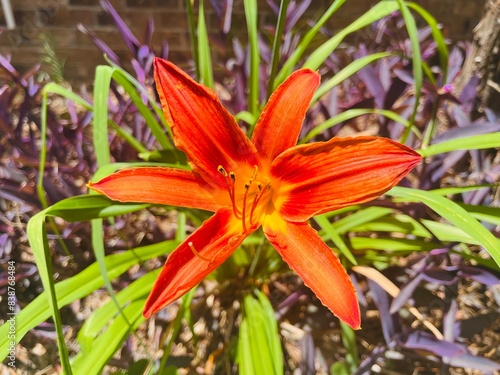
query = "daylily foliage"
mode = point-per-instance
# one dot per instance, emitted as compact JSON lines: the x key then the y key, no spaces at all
{"x":267,"y":181}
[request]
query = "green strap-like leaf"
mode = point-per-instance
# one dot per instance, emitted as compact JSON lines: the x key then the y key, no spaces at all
{"x":253,"y":78}
{"x":293,"y":60}
{"x":353,"y":113}
{"x":455,"y":214}
{"x":379,"y":11}
{"x":347,"y":72}
{"x":259,"y":348}
{"x":110,"y":340}
{"x":205,"y":60}
{"x":38,"y":240}
{"x":77,"y":286}
{"x":436,"y":34}
{"x":412,"y":29}
{"x":329,"y":229}
{"x":275,"y":54}
{"x":474,"y":142}
{"x":100,"y":318}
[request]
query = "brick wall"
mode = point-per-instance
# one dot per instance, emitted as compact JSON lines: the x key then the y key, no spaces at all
{"x":58,"y":19}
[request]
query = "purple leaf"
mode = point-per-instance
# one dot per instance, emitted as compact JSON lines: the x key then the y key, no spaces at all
{"x":306,"y":364}
{"x":455,"y":61}
{"x":5,"y":63}
{"x":390,"y":323}
{"x":370,"y":77}
{"x":426,"y":341}
{"x":5,"y":246}
{"x":469,"y":93}
{"x":148,"y":33}
{"x":479,"y":275}
{"x":462,"y":132}
{"x":127,"y":35}
{"x":99,"y":43}
{"x":274,"y":7}
{"x":441,"y":276}
{"x":450,"y":328}
{"x":404,"y":75}
{"x":448,"y":161}
{"x":405,"y":293}
{"x":470,"y":361}
{"x":294,"y":12}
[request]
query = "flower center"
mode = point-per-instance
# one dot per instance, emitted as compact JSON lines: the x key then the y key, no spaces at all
{"x":250,"y":199}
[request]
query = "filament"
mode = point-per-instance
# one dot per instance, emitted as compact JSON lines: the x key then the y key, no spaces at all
{"x":191,"y":246}
{"x":247,"y":187}
{"x":230,"y":188}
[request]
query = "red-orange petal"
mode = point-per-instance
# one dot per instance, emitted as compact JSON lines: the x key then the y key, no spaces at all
{"x":306,"y":253}
{"x":280,"y":122}
{"x":200,"y":254}
{"x":157,"y":185}
{"x":202,"y":127}
{"x":325,"y":176}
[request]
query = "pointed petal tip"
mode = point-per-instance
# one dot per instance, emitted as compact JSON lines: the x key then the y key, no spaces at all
{"x":305,"y":252}
{"x":354,"y":322}
{"x":200,"y":254}
{"x":352,"y":317}
{"x":146,"y":313}
{"x":150,"y":308}
{"x":365,"y":168}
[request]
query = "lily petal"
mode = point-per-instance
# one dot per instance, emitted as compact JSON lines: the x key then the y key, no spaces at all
{"x":279,"y":124}
{"x":168,"y":186}
{"x":202,"y":127}
{"x":306,"y":253}
{"x":325,"y":176}
{"x":201,"y":253}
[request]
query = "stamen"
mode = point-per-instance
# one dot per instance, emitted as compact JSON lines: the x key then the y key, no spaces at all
{"x":255,"y":172}
{"x":268,"y":185}
{"x":241,"y":212}
{"x":229,"y":188}
{"x":191,"y":246}
{"x":222,"y":171}
{"x":256,"y":199}
{"x":247,"y":186}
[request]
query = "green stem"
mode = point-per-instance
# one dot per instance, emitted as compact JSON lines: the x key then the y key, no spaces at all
{"x":431,"y":128}
{"x":280,"y":26}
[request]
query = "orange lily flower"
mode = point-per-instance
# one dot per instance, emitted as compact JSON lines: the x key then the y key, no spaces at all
{"x":268,"y":182}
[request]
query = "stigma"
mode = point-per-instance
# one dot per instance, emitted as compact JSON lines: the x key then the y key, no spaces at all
{"x":249,"y":196}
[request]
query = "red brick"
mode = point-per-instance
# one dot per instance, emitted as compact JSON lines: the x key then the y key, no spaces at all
{"x":164,"y":4}
{"x":59,"y":18}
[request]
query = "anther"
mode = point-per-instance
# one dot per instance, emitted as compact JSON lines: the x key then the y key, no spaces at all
{"x":229,"y":187}
{"x":191,"y":246}
{"x":255,"y":172}
{"x":221,"y":170}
